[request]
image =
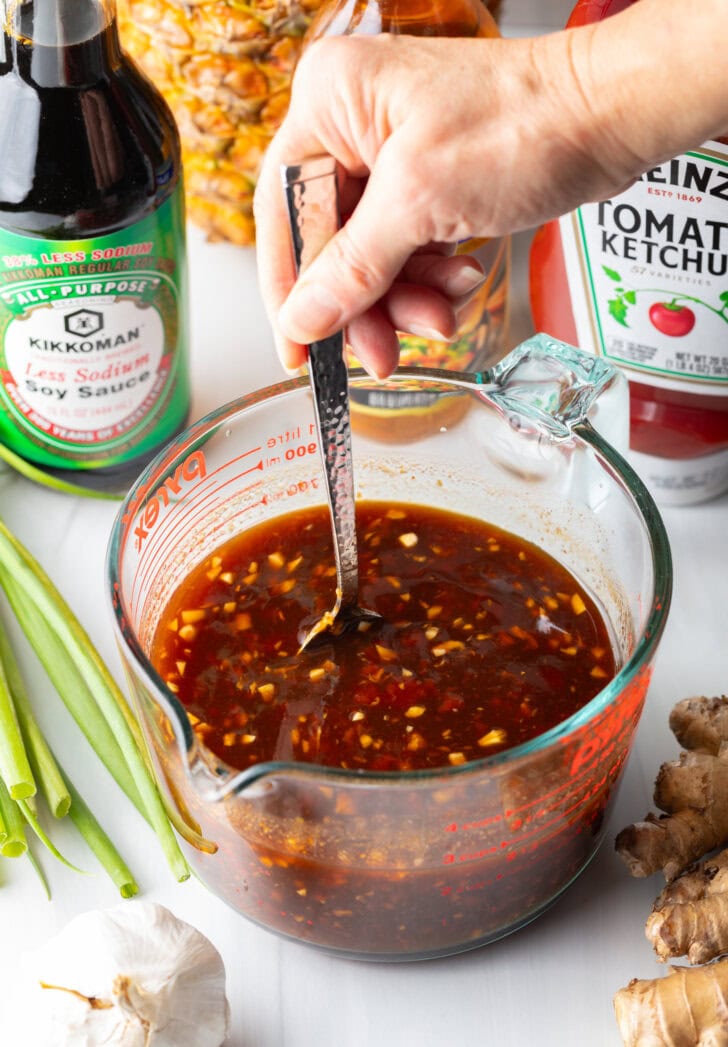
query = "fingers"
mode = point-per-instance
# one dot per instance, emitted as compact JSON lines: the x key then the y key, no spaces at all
{"x":275,"y":262}
{"x":422,"y":297}
{"x":382,"y":272}
{"x":457,"y":277}
{"x":374,"y":342}
{"x":341,"y":283}
{"x":372,"y":336}
{"x":428,"y":309}
{"x":309,"y":129}
{"x":337,"y":289}
{"x":424,"y":300}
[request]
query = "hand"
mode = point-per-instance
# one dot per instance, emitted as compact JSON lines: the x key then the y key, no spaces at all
{"x":437,"y":141}
{"x":431,"y":150}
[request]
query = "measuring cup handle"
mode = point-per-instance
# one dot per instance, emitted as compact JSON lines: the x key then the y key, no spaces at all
{"x":560,"y":387}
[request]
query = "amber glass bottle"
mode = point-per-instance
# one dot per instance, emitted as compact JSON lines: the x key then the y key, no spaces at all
{"x":93,"y":376}
{"x":643,"y":279}
{"x":481,"y":335}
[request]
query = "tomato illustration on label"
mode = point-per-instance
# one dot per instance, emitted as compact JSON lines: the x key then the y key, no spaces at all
{"x":672,"y":318}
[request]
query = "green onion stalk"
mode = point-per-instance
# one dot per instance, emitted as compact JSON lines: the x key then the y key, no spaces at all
{"x":28,"y":767}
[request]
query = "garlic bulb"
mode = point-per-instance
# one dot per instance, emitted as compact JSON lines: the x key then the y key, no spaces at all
{"x":131,"y":976}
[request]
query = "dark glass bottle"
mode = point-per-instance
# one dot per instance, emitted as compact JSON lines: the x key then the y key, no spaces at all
{"x":93,"y":299}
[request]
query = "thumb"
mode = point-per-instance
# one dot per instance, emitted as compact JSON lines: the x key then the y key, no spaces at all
{"x":354,"y":270}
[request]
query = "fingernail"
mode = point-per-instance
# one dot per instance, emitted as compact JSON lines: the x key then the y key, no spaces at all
{"x":370,"y":370}
{"x":293,"y":372}
{"x":310,"y":304}
{"x":426,"y":332}
{"x":464,"y":281}
{"x":287,"y":356}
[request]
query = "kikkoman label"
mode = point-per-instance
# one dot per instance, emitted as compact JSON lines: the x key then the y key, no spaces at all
{"x":92,"y":341}
{"x":648,"y":273}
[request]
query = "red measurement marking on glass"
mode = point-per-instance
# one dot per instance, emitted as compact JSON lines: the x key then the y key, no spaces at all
{"x":467,"y":888}
{"x":173,"y":526}
{"x":600,"y":784}
{"x":145,"y":517}
{"x":471,"y":856}
{"x":182,"y":518}
{"x":517,"y":842}
{"x":569,"y":785}
{"x":162,"y":539}
{"x":479,"y":823}
{"x":536,"y":845}
{"x":611,"y":737}
{"x":266,"y":499}
{"x":301,"y":486}
{"x":539,"y":829}
{"x":161,"y":542}
{"x":544,"y":809}
{"x":160,"y":535}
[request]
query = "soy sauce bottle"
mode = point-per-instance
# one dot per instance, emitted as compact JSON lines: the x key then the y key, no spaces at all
{"x":642,"y":279}
{"x":93,"y":298}
{"x":377,"y":411}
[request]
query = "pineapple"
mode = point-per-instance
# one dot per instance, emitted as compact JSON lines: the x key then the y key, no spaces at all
{"x":224,"y":67}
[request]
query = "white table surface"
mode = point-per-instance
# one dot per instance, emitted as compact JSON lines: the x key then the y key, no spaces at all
{"x":550,"y":984}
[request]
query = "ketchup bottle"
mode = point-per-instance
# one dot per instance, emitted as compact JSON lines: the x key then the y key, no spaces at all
{"x":642,"y":279}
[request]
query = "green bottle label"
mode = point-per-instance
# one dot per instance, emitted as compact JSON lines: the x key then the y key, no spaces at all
{"x":93,"y":355}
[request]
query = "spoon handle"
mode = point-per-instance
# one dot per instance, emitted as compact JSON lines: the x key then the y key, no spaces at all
{"x":313,"y":211}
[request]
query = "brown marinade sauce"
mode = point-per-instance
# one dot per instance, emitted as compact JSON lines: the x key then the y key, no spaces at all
{"x":486,"y":642}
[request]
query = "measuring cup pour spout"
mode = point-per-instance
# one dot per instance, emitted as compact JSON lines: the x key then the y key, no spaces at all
{"x":557,"y":388}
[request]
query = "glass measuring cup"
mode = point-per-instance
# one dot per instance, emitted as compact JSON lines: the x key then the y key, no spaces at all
{"x":403,"y":865}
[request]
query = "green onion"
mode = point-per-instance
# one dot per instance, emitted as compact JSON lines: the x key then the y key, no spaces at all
{"x":39,"y":873}
{"x":15,"y":842}
{"x":44,"y":767}
{"x":189,"y":830}
{"x":32,"y":820}
{"x":77,"y":696}
{"x":93,"y":698}
{"x":97,"y":840}
{"x":14,"y":765}
{"x":56,"y":790}
{"x":47,"y":479}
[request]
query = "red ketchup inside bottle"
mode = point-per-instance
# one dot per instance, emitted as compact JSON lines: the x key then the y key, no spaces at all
{"x":641,"y":279}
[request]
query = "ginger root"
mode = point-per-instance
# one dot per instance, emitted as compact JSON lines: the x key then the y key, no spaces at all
{"x":689,"y":1006}
{"x":701,"y":724}
{"x":690,"y":916}
{"x":686,"y":1008}
{"x":691,"y":791}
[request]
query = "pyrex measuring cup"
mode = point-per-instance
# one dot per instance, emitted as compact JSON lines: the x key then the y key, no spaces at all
{"x":402,"y":865}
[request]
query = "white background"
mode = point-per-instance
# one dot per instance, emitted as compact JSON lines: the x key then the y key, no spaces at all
{"x":552,"y":983}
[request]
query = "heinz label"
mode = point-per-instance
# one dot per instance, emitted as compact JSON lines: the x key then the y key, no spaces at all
{"x":648,"y":273}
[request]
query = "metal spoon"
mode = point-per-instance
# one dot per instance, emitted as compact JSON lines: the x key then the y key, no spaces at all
{"x":313,"y":213}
